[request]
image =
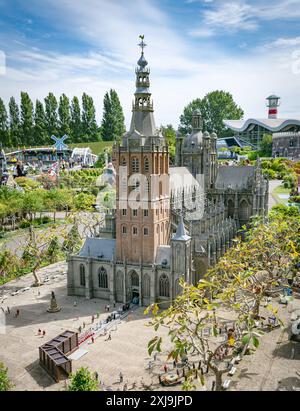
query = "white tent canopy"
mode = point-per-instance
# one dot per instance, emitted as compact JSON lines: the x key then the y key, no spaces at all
{"x":84,"y":156}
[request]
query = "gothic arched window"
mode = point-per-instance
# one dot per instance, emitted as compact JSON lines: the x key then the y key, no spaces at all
{"x":230,"y":208}
{"x":135,"y":165}
{"x":102,"y":277}
{"x":146,"y":164}
{"x":164,"y":286}
{"x":244,"y":210}
{"x":82,"y":275}
{"x":135,"y":279}
{"x":146,"y":285}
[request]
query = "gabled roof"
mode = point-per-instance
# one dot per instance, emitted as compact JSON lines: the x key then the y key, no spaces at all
{"x":234,"y":176}
{"x":98,"y":248}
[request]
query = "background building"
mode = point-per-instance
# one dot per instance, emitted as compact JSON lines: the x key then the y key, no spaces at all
{"x":253,"y":129}
{"x":286,"y":144}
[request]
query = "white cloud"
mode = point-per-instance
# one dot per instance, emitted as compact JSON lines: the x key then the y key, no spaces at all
{"x":202,"y":32}
{"x":284,"y":42}
{"x":231,"y":16}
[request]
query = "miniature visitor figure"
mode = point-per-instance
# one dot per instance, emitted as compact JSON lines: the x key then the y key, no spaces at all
{"x":121,"y":377}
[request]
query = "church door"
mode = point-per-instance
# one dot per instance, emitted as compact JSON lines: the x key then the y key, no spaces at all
{"x":135,"y":289}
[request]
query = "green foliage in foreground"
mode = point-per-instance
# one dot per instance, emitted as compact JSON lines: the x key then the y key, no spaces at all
{"x":237,"y":283}
{"x":83,"y":380}
{"x":5,"y":383}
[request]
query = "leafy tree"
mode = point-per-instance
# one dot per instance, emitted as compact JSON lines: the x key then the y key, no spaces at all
{"x":26,"y":119}
{"x":73,"y":241}
{"x":90,"y":130}
{"x":266,"y":145}
{"x":56,"y":200}
{"x":238,"y":284}
{"x":64,"y":116}
{"x":4,"y":134}
{"x":41,"y":136}
{"x":5,"y":383}
{"x":14,"y":123}
{"x":76,"y":126}
{"x":193,"y":322}
{"x":40,"y":245}
{"x":51,"y":114}
{"x":33,"y":202}
{"x":113,"y":125}
{"x":83,"y":380}
{"x":9,"y":265}
{"x":169,"y":133}
{"x":53,"y":249}
{"x":83,"y":201}
{"x":215,"y":107}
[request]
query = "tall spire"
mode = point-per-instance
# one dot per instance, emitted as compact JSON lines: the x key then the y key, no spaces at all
{"x":181,"y":234}
{"x":142,"y":108}
{"x":142,"y":94}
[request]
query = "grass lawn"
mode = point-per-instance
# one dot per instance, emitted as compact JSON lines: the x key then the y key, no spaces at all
{"x":279,"y":191}
{"x":96,"y":147}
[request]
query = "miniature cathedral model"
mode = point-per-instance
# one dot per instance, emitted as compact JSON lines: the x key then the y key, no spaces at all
{"x":154,"y":241}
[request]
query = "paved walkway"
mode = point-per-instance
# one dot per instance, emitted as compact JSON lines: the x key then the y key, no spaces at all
{"x":276,"y":360}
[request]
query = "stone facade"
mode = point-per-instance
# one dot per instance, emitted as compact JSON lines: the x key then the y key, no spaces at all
{"x":286,"y":145}
{"x":155,"y":237}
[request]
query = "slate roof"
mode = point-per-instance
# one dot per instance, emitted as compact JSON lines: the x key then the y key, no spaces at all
{"x":234,"y":176}
{"x":181,"y":234}
{"x":98,"y":248}
{"x":181,"y":179}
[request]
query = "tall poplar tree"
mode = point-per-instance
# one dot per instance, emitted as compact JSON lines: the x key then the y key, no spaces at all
{"x":64,"y":116}
{"x":14,"y":123}
{"x":113,"y":125}
{"x":90,"y":131}
{"x":51,"y":114}
{"x":41,"y":136}
{"x":26,"y":120}
{"x":4,"y":134}
{"x":76,"y":128}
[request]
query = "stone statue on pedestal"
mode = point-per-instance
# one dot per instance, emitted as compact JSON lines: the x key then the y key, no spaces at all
{"x":54,"y":308}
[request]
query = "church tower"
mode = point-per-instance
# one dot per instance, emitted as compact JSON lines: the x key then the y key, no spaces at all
{"x":142,"y":165}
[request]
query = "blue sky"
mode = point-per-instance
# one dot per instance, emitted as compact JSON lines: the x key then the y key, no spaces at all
{"x":248,"y":47}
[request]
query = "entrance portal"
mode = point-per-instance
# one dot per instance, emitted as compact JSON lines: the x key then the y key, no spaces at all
{"x":135,"y":291}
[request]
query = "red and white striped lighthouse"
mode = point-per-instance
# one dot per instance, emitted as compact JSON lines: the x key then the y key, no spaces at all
{"x":273,"y":104}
